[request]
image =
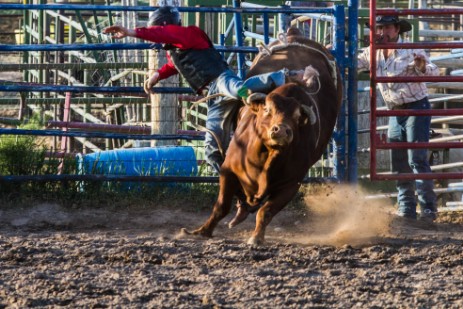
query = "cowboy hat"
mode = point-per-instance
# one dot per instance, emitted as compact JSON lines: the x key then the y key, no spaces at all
{"x":382,"y":20}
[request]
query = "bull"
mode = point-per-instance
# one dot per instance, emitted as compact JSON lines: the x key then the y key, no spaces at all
{"x":279,"y":135}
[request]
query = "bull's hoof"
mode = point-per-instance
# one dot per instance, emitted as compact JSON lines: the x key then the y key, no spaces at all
{"x":255,"y":241}
{"x":184,"y":231}
{"x":240,"y":216}
{"x":253,"y":201}
{"x":199,"y":232}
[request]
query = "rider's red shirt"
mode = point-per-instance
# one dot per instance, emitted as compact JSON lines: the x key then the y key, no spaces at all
{"x":190,"y":37}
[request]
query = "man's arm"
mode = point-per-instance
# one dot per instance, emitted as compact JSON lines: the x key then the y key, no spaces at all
{"x":363,"y":60}
{"x":180,"y":37}
{"x":164,"y":72}
{"x":119,"y":32}
{"x":424,"y":66}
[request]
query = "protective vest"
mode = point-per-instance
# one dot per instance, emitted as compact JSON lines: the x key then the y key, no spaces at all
{"x":198,"y":66}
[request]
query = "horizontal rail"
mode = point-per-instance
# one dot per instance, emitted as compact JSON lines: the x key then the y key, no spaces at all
{"x":186,"y":179}
{"x":440,"y":33}
{"x":88,"y":7}
{"x":106,"y":100}
{"x":433,"y":121}
{"x":75,"y":66}
{"x":413,"y":112}
{"x":100,"y":127}
{"x":10,"y":121}
{"x":99,"y":134}
{"x":20,"y":87}
{"x":419,"y":12}
{"x":421,"y":45}
{"x":447,"y":138}
{"x":189,"y":132}
{"x":446,"y":166}
{"x":405,"y":79}
{"x":419,"y":145}
{"x":391,"y":195}
{"x":111,"y":46}
{"x":412,"y":176}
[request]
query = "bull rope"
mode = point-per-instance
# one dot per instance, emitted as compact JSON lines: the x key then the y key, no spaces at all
{"x":267,"y":51}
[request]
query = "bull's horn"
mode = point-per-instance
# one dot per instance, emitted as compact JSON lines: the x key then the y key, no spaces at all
{"x":309,"y":112}
{"x":256,"y":97}
{"x":263,"y":49}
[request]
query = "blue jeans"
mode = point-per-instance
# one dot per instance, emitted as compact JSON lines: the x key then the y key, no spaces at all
{"x":412,"y":129}
{"x":221,"y":111}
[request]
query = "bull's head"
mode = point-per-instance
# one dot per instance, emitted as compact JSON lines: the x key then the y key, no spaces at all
{"x":278,"y":117}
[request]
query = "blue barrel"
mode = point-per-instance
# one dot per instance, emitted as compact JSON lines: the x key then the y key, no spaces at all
{"x":147,"y":161}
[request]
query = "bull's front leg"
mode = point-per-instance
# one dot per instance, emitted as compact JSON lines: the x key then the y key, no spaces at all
{"x":276,"y":202}
{"x":263,"y":179}
{"x":228,"y":188}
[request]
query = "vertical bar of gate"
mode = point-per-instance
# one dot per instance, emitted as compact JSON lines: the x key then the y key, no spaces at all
{"x":222,"y":43}
{"x":239,"y":39}
{"x":266,"y":28}
{"x":352,"y":88}
{"x":284,"y":20}
{"x":372,"y":90}
{"x":340,"y":130}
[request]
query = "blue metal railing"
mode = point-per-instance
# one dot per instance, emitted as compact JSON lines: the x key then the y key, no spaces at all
{"x":339,"y":49}
{"x":90,"y":7}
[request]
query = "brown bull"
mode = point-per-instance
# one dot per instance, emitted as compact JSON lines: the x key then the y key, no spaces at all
{"x":279,"y":136}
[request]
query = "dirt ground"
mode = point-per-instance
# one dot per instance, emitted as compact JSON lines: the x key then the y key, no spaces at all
{"x":342,"y":251}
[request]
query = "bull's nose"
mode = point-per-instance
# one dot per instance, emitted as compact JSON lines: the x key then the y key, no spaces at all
{"x":275,"y":129}
{"x":280,"y":131}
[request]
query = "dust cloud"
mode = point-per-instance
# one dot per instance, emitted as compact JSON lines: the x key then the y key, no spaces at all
{"x":341,"y":215}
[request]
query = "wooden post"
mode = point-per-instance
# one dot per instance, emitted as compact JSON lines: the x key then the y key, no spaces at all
{"x":65,"y":139}
{"x":164,"y":116}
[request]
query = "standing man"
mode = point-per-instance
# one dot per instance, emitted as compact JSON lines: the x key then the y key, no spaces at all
{"x":192,"y":54}
{"x":410,"y":129}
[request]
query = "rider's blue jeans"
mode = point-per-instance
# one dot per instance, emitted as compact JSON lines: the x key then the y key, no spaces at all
{"x":412,"y":129}
{"x":221,"y":110}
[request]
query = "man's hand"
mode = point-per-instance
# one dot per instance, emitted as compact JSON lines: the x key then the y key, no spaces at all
{"x":420,"y":62}
{"x":119,"y":32}
{"x":150,"y":82}
{"x":380,"y":39}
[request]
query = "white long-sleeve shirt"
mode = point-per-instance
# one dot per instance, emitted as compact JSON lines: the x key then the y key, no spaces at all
{"x":399,"y":63}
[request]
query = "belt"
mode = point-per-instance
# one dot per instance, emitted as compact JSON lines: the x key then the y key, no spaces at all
{"x":410,"y":105}
{"x":402,"y":106}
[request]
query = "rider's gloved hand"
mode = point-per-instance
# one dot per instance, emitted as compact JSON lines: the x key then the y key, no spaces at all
{"x":243,"y":92}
